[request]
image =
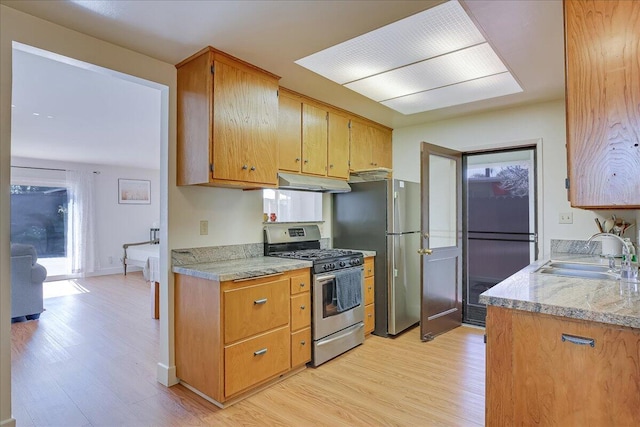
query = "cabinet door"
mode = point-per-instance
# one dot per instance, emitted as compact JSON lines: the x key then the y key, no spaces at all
{"x":254,"y":309}
{"x":369,"y":289}
{"x":300,"y":311}
{"x":603,"y":95}
{"x":300,"y":347}
{"x":360,"y":146}
{"x":289,"y":133}
{"x":338,"y":146}
{"x":381,"y":150}
{"x":314,"y":140}
{"x":559,"y":380}
{"x":369,"y":318}
{"x":369,"y":266}
{"x":245,"y":121}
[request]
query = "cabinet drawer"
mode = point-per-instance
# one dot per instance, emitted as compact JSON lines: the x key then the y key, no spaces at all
{"x":257,"y":359}
{"x":254,"y":309}
{"x":300,"y":347}
{"x":301,"y":283}
{"x":300,"y":311}
{"x":369,"y":267}
{"x":369,"y":290}
{"x":369,"y":318}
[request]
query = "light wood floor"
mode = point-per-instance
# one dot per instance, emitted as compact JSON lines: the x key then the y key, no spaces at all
{"x":91,"y":361}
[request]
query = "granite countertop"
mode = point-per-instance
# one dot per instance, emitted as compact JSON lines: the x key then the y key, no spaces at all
{"x":243,"y":268}
{"x":614,"y":302}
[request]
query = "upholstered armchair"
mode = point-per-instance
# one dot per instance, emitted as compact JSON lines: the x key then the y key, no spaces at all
{"x":27,"y":277}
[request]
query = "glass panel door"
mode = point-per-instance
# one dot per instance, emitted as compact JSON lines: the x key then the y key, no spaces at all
{"x":500,"y":221}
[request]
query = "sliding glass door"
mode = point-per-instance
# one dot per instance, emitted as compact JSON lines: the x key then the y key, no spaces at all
{"x":499,"y":221}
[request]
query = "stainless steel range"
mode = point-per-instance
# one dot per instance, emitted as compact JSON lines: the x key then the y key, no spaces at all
{"x":337,"y":293}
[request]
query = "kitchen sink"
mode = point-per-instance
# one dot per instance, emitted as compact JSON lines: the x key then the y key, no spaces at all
{"x":574,"y":269}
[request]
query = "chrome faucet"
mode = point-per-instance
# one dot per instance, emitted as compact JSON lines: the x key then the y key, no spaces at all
{"x":626,"y":271}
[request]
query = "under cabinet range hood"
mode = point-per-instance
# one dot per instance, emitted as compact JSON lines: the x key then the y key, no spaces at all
{"x":291,"y":181}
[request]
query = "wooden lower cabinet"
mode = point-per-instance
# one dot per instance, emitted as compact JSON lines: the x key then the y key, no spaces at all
{"x":255,"y":360}
{"x":548,"y":370}
{"x":369,"y":296}
{"x":232,"y":337}
{"x":300,"y":347}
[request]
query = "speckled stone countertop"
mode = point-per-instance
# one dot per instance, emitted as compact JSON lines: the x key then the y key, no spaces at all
{"x":614,"y":302}
{"x":364,"y":253}
{"x":242,"y":268}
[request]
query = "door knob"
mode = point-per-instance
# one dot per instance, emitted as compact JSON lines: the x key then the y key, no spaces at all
{"x":425,"y":251}
{"x":425,"y":235}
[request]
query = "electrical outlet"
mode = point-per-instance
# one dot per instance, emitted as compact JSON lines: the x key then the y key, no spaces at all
{"x":566,"y":218}
{"x":204,"y":227}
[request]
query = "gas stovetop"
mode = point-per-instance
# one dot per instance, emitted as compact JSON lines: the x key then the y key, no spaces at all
{"x":303,"y":242}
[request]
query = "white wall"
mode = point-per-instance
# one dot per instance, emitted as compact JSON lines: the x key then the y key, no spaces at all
{"x":545,"y":121}
{"x":116,"y":223}
{"x":23,"y":28}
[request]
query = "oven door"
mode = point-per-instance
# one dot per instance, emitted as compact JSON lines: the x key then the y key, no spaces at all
{"x":326,"y":318}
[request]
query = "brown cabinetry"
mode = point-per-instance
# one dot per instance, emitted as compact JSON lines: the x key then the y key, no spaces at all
{"x":300,"y":319}
{"x":314,"y":140}
{"x":234,"y":336}
{"x":338,"y":146}
{"x":227,"y":122}
{"x":548,"y":370}
{"x":370,"y":147}
{"x":369,"y":292}
{"x":602,"y":98}
{"x":289,"y":132}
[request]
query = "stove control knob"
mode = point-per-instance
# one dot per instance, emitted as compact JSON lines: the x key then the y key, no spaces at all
{"x":324,"y":267}
{"x":332,"y":265}
{"x":342,"y":263}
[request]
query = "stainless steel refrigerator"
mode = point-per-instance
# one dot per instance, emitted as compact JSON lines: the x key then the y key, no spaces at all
{"x":384,"y":216}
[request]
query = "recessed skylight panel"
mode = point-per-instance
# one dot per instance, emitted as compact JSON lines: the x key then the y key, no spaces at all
{"x":462,"y":93}
{"x":441,"y":29}
{"x":467,"y":64}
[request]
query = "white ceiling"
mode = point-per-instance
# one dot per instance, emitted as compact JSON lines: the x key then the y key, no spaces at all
{"x":526,"y":34}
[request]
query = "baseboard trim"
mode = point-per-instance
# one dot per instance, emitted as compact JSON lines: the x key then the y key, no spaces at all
{"x":166,"y":375}
{"x":9,"y":422}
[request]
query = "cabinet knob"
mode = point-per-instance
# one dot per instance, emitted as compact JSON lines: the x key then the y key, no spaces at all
{"x":253,"y":168}
{"x":245,"y":167}
{"x":303,"y":342}
{"x":369,"y":315}
{"x":302,"y":285}
{"x":306,"y":161}
{"x":369,"y":287}
{"x":297,"y":159}
{"x":302,"y":307}
{"x":331,"y":166}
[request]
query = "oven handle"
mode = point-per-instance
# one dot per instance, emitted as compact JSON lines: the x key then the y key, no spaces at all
{"x":325,"y":278}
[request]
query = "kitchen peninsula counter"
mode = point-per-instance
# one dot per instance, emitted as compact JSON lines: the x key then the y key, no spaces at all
{"x":604,"y":301}
{"x":244,"y":268}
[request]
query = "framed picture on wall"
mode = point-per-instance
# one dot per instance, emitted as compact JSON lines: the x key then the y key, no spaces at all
{"x":134,"y":192}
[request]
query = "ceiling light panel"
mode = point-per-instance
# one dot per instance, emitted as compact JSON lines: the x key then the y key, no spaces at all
{"x":462,"y":93}
{"x":467,"y":64}
{"x":441,"y":29}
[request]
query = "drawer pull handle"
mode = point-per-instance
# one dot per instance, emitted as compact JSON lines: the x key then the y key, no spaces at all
{"x":260,"y":352}
{"x":302,"y":307}
{"x":370,"y":315}
{"x":302,"y":285}
{"x":579,"y":340}
{"x":260,"y":301}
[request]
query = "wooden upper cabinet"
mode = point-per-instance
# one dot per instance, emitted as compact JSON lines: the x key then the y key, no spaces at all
{"x":603,"y":102}
{"x":338,"y":146}
{"x":370,"y":147}
{"x":227,"y":122}
{"x":289,"y":132}
{"x":314,"y":140}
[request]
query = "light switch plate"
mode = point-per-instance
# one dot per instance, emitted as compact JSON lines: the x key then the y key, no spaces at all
{"x":204,"y":228}
{"x":566,"y":218}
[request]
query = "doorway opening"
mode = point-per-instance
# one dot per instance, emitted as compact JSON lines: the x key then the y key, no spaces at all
{"x":499,"y":221}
